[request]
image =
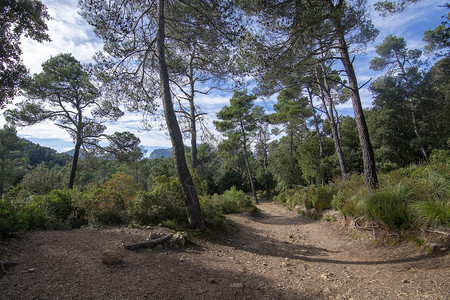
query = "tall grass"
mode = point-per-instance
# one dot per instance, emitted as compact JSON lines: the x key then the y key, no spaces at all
{"x":388,"y":205}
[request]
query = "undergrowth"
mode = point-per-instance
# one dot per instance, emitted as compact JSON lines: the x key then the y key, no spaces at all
{"x":118,"y":201}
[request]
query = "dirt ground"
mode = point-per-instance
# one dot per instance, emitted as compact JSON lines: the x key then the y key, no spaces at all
{"x":278,"y":255}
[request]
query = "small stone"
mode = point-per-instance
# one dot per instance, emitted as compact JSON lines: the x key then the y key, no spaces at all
{"x":237,"y":285}
{"x":110,"y":257}
{"x":31,"y":270}
{"x":325,"y":276}
{"x":327,"y":290}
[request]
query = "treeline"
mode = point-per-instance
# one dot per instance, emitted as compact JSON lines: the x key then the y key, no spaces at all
{"x":301,"y":51}
{"x":19,"y":156}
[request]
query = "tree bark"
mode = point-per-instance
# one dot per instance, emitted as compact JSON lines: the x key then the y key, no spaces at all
{"x":249,"y":169}
{"x":413,"y":110}
{"x":193,"y":114}
{"x":183,"y":174}
{"x":328,"y":104}
{"x":370,"y":173}
{"x":76,"y":154}
{"x":316,"y":122}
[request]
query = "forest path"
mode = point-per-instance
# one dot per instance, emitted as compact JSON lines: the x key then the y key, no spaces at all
{"x":278,"y":255}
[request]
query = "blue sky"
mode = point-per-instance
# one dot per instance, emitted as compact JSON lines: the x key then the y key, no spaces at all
{"x":70,"y":33}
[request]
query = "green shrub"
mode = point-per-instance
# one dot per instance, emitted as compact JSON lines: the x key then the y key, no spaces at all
{"x":439,"y":156}
{"x":323,"y":195}
{"x":107,"y":204}
{"x":42,"y":180}
{"x":387,"y":205}
{"x":11,"y":219}
{"x":234,"y":201}
{"x":212,"y":211}
{"x":338,"y":201}
{"x":432,"y":213}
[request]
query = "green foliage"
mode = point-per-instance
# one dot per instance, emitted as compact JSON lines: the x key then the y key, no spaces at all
{"x":388,"y":205}
{"x":231,"y":201}
{"x":317,"y":197}
{"x":42,"y":180}
{"x":316,"y":169}
{"x":212,"y":211}
{"x":106,"y":204}
{"x":432,"y":213}
{"x":18,"y":18}
{"x":234,"y":201}
{"x":11,"y":219}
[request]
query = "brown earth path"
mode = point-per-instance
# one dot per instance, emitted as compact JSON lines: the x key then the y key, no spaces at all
{"x":278,"y":255}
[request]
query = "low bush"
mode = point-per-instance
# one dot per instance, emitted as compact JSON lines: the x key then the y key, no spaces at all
{"x":432,"y":213}
{"x":106,"y":204}
{"x":235,"y":201}
{"x":11,"y":219}
{"x":388,"y":205}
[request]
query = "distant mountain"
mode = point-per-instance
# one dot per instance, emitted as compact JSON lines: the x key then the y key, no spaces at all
{"x":158,"y":153}
{"x":71,"y":152}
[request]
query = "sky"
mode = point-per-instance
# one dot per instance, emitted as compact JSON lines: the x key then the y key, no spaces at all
{"x":71,"y":34}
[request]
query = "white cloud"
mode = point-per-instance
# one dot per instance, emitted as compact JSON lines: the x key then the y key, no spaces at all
{"x":71,"y":34}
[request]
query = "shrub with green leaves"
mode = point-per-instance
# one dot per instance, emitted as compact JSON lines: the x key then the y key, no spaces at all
{"x":234,"y":201}
{"x":11,"y":220}
{"x":106,"y":204}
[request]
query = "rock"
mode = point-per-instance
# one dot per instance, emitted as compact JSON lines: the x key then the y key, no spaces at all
{"x":237,"y":285}
{"x":179,"y":239}
{"x":156,"y":235}
{"x":110,"y":257}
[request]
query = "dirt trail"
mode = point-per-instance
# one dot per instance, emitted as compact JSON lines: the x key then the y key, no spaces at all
{"x":279,"y":255}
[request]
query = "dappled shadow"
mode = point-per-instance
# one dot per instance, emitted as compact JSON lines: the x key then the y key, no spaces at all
{"x":257,"y":241}
{"x":281,"y":220}
{"x":66,"y":266}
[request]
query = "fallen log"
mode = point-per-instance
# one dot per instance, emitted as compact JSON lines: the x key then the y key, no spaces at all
{"x":150,"y":243}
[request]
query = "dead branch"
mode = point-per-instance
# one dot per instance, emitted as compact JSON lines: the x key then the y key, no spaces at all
{"x":150,"y":243}
{"x":434,"y":231}
{"x":359,"y":227}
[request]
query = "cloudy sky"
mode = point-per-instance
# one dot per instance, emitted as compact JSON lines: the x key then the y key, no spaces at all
{"x":71,"y":34}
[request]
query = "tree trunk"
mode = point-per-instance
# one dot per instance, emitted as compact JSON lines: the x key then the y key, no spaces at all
{"x":413,"y":111}
{"x":73,"y":170}
{"x":328,"y":104}
{"x":249,"y":169}
{"x":316,"y":122}
{"x":370,"y":173}
{"x":184,"y":176}
{"x":193,"y":129}
{"x":193,"y":113}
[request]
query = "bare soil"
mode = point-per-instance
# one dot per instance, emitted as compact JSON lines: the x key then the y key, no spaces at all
{"x":278,"y":255}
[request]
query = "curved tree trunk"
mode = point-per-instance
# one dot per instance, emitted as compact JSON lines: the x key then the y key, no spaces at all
{"x":183,"y":174}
